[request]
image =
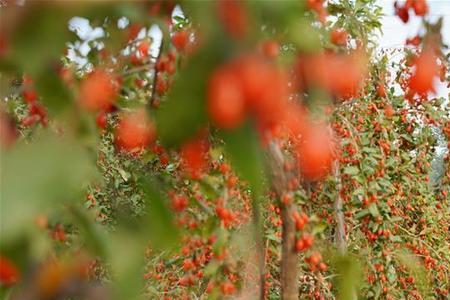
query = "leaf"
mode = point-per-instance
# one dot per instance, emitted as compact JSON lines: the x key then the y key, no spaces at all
{"x":41,"y":36}
{"x":92,"y":234}
{"x":55,"y":94}
{"x":126,"y":257}
{"x":159,"y":225}
{"x":348,"y":280}
{"x":125,"y":175}
{"x":361,"y":214}
{"x":319,"y":228}
{"x":242,"y":145}
{"x":184,"y":112}
{"x":38,"y":176}
{"x":351,"y":170}
{"x":373,"y":209}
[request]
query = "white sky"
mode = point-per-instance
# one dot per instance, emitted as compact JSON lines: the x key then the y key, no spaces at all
{"x":395,"y":32}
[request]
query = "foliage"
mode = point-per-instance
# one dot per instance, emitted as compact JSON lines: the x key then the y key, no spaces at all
{"x":182,"y":169}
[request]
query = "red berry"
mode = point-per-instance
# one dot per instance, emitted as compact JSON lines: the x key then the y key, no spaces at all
{"x":420,"y":7}
{"x":180,"y":39}
{"x":339,"y":37}
{"x":315,"y":152}
{"x":101,"y":120}
{"x":9,"y":274}
{"x":143,"y":48}
{"x":381,"y":90}
{"x":233,"y":16}
{"x":226,"y":102}
{"x":389,"y":111}
{"x":194,"y":157}
{"x":135,"y":131}
{"x":271,"y":49}
{"x":98,"y":91}
{"x":30,"y":95}
{"x":426,"y":69}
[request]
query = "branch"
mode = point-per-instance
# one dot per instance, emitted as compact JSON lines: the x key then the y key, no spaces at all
{"x":289,"y":257}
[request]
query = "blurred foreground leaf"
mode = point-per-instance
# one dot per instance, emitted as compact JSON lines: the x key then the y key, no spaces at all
{"x":243,"y":146}
{"x":182,"y":115}
{"x":91,"y":232}
{"x":349,"y":277}
{"x":417,"y":270}
{"x":38,"y":176}
{"x":159,"y":223}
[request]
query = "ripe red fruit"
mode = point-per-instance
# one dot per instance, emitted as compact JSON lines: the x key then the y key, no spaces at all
{"x":315,"y":152}
{"x":426,"y":69}
{"x":420,"y":7}
{"x":98,"y":91}
{"x":134,"y":131}
{"x":317,"y":6}
{"x":180,"y":39}
{"x":30,"y":120}
{"x":339,"y":37}
{"x":401,"y":12}
{"x":227,"y":288}
{"x":304,"y":243}
{"x":264,"y":86}
{"x":294,"y":120}
{"x":233,"y":16}
{"x":226,"y":102}
{"x":101,"y":120}
{"x":415,"y":41}
{"x":179,"y":203}
{"x":143,"y":48}
{"x":381,"y":90}
{"x":194,"y":157}
{"x":389,"y":111}
{"x":30,"y":95}
{"x":58,"y":233}
{"x":347,"y":74}
{"x":271,"y":49}
{"x":9,"y":274}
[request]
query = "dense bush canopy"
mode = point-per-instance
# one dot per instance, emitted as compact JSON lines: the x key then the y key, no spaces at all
{"x":222,"y":150}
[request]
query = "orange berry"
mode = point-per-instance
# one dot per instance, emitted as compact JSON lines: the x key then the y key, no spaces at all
{"x":339,"y":37}
{"x":315,"y":152}
{"x":9,"y":274}
{"x":180,"y":39}
{"x":98,"y":91}
{"x":226,"y":102}
{"x":134,"y":131}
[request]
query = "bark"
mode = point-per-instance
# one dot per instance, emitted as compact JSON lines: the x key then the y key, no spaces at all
{"x":289,"y":257}
{"x":340,"y":240}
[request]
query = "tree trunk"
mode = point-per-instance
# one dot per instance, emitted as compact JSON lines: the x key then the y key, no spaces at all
{"x":289,"y":257}
{"x":339,"y":238}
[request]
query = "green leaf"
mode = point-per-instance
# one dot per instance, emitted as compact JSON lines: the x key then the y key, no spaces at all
{"x":38,"y":176}
{"x":55,"y":94}
{"x":373,"y":209}
{"x":90,"y":231}
{"x":159,"y":225}
{"x":351,"y":170}
{"x":184,"y":112}
{"x":348,"y":280}
{"x":361,"y":214}
{"x":242,"y":145}
{"x":40,"y":37}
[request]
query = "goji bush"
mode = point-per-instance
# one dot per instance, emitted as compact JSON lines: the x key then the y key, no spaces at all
{"x":222,"y":150}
